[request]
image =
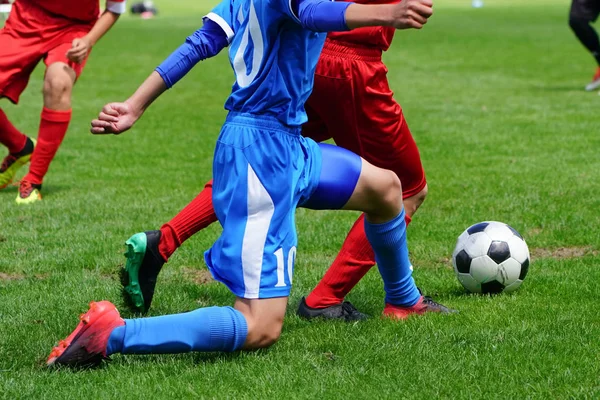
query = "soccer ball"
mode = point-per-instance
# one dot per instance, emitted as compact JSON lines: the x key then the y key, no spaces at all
{"x":490,"y":257}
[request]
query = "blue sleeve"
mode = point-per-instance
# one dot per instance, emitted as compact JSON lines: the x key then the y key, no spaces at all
{"x":222,"y":15}
{"x":321,"y":15}
{"x":206,"y":42}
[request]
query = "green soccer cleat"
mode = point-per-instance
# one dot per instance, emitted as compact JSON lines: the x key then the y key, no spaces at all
{"x":139,"y":276}
{"x":13,"y":162}
{"x":29,"y":193}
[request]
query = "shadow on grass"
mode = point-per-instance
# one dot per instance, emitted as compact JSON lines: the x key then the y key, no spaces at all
{"x":151,"y":360}
{"x":558,"y":88}
{"x":11,"y":191}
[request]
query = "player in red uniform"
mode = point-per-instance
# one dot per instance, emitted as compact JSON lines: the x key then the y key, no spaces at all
{"x":62,"y":33}
{"x":581,"y":16}
{"x":352,"y":103}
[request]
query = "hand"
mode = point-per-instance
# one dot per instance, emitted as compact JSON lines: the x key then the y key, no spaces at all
{"x":79,"y":50}
{"x":114,"y":118}
{"x":411,"y":14}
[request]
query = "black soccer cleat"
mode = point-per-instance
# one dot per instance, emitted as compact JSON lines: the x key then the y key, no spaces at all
{"x":139,"y":276}
{"x":344,"y":311}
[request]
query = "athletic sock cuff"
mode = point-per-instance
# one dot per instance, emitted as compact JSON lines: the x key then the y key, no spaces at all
{"x":56,"y":115}
{"x":221,"y":329}
{"x":115,"y":340}
{"x":386,"y":233}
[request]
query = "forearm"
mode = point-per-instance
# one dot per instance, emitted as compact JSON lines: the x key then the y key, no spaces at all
{"x":331,"y":16}
{"x":104,"y":23}
{"x":361,"y":15}
{"x":149,"y":91}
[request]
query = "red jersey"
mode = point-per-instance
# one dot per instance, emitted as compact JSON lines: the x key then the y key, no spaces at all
{"x":379,"y":37}
{"x":85,"y":11}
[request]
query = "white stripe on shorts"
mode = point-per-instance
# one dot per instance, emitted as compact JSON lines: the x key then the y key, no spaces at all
{"x":260,"y":212}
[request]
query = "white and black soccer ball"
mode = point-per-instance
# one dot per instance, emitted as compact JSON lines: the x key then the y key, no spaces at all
{"x":491,"y":257}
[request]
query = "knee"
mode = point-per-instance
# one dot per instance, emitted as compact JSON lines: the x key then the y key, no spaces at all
{"x":57,"y":85}
{"x":394,"y":193}
{"x":412,"y":204}
{"x":388,"y":193}
{"x":262,"y":335}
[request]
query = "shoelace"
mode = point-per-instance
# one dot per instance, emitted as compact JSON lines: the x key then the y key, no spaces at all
{"x":7,"y":162}
{"x":429,"y":300}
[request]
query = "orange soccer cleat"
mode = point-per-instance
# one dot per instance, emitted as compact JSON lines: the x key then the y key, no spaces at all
{"x":86,"y":345}
{"x":425,"y":304}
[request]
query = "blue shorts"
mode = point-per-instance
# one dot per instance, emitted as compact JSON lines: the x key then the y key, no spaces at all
{"x":261,"y":171}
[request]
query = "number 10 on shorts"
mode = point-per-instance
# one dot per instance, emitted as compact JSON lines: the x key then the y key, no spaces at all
{"x":291,"y":258}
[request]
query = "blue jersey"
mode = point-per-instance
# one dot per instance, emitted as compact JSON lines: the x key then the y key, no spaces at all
{"x":272,"y":55}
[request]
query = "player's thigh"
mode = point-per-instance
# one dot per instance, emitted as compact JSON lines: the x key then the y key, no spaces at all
{"x":395,"y":149}
{"x":56,"y":59}
{"x":333,"y":99}
{"x":585,"y":9}
{"x":378,"y":193}
{"x":255,"y":198}
{"x":18,"y":57}
{"x":349,"y":182}
{"x":255,"y":253}
{"x":385,"y":138}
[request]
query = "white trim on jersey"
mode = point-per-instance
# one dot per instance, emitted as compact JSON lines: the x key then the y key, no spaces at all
{"x":117,"y":7}
{"x":292,"y":11}
{"x":260,"y":212}
{"x":222,"y":23}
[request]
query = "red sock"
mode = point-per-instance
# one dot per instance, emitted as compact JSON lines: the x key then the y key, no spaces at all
{"x":10,"y":136}
{"x":353,"y":261}
{"x":193,"y":218}
{"x":53,"y":127}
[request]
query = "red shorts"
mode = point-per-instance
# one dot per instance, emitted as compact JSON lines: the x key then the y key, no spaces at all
{"x":352,"y":104}
{"x":29,"y":36}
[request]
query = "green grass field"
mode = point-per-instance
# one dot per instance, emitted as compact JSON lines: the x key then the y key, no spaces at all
{"x":494,"y":98}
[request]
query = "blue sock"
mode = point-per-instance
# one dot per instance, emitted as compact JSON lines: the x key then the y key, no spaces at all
{"x":115,"y":340}
{"x":204,"y":329}
{"x":391,"y":253}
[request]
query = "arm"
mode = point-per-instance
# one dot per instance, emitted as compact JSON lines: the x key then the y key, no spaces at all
{"x":328,"y":16}
{"x":118,"y":117}
{"x":82,"y":46}
{"x":204,"y":43}
{"x":404,"y":15}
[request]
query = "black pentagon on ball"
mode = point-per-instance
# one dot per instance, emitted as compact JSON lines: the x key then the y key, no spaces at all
{"x":492,"y":287}
{"x":463,"y":262}
{"x":480,"y":227}
{"x":524,"y":269}
{"x":499,"y":251}
{"x":517,"y":234}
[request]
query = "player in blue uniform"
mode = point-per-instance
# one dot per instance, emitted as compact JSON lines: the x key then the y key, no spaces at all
{"x":263,"y":169}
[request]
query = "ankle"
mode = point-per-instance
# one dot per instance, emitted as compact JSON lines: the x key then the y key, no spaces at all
{"x":168,"y":242}
{"x":26,"y":149}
